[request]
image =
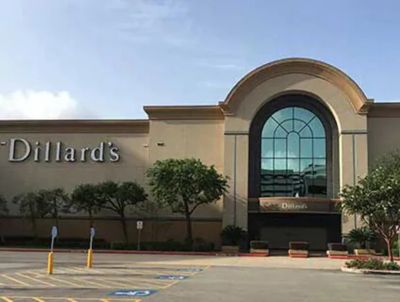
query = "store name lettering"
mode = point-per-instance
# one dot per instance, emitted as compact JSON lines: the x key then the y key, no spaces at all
{"x":20,"y":150}
{"x":293,"y":206}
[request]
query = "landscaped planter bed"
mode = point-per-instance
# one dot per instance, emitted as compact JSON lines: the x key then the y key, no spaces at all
{"x":230,"y":249}
{"x":337,"y":250}
{"x":371,"y":266}
{"x":364,"y":252}
{"x":369,"y":271}
{"x":298,"y":249}
{"x":259,"y":247}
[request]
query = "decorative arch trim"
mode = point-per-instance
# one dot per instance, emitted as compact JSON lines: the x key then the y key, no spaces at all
{"x":278,"y":68}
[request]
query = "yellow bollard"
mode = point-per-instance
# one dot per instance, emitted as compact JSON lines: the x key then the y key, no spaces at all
{"x":89,"y":262}
{"x":50,"y":263}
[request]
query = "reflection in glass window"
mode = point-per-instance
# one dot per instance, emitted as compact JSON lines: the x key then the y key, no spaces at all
{"x":293,"y":151}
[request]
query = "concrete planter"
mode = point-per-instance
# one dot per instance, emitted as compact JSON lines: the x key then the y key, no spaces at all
{"x":264,"y":252}
{"x":333,"y":254}
{"x":364,"y":252}
{"x":298,"y":249}
{"x":230,"y":249}
{"x":298,"y":253}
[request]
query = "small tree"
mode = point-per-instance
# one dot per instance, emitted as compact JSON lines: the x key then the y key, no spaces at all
{"x":85,"y":198}
{"x":376,"y":198}
{"x":117,"y":197}
{"x":33,"y":207}
{"x":184,"y":185}
{"x":57,"y":200}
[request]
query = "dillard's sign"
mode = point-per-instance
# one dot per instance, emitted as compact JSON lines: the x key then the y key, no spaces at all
{"x":20,"y":149}
{"x":297,"y":204}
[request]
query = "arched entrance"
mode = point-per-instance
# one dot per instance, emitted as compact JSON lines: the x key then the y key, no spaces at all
{"x":293,"y":166}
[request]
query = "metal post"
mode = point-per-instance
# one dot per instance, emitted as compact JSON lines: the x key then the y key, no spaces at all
{"x":52,"y":244}
{"x":50,"y":257}
{"x":89,"y":261}
{"x":138,"y":244}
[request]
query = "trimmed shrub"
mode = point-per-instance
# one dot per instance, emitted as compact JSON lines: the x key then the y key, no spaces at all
{"x":336,"y":246}
{"x":70,"y":243}
{"x":299,"y":245}
{"x":232,"y":235}
{"x":373,"y":264}
{"x":361,"y":236}
{"x":259,"y":245}
{"x":199,"y":245}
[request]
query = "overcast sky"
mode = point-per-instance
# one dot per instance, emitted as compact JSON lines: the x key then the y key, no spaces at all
{"x":108,"y":58}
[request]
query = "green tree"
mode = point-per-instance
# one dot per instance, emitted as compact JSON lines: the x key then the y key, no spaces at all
{"x":117,"y":197}
{"x":85,"y":198}
{"x":184,"y":185}
{"x":56,"y":200}
{"x":33,"y":207}
{"x":376,"y":198}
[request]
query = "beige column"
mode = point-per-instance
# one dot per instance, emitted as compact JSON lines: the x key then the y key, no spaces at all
{"x":236,"y":168}
{"x":354,"y":165}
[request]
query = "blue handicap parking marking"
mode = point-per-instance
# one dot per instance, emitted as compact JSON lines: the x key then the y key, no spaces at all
{"x":133,"y":292}
{"x":190,"y":270}
{"x":171,"y":277}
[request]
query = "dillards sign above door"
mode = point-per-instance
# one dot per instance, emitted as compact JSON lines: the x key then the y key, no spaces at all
{"x":20,"y":150}
{"x":297,"y":204}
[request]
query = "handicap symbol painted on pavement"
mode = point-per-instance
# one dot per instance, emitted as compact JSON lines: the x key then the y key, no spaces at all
{"x":190,"y":270}
{"x":171,"y":277}
{"x":133,"y":292}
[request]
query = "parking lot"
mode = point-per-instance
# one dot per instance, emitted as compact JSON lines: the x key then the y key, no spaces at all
{"x":25,"y":279}
{"x":156,"y":278}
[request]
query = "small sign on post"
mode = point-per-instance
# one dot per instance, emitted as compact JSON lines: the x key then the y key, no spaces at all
{"x":89,"y":261}
{"x":139,"y":227}
{"x":50,"y":258}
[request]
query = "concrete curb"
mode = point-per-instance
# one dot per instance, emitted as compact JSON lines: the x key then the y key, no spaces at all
{"x":133,"y":252}
{"x":176,"y":253}
{"x":99,"y":251}
{"x":369,"y":271}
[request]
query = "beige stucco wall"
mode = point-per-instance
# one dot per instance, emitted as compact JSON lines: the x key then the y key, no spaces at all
{"x":200,"y":139}
{"x":138,"y":151}
{"x":383,"y":137}
{"x":21,"y":177}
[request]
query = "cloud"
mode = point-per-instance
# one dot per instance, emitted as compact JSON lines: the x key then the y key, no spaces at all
{"x":223,"y":66}
{"x":228,"y":66}
{"x":148,"y":20}
{"x":145,"y":15}
{"x":33,"y":104}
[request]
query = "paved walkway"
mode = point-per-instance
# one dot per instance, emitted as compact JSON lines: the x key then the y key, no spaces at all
{"x":14,"y":259}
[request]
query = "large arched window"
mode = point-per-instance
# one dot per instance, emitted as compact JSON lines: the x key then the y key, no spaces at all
{"x":293,"y":154}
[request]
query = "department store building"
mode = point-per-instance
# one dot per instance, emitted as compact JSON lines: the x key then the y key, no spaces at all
{"x":289,"y":135}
